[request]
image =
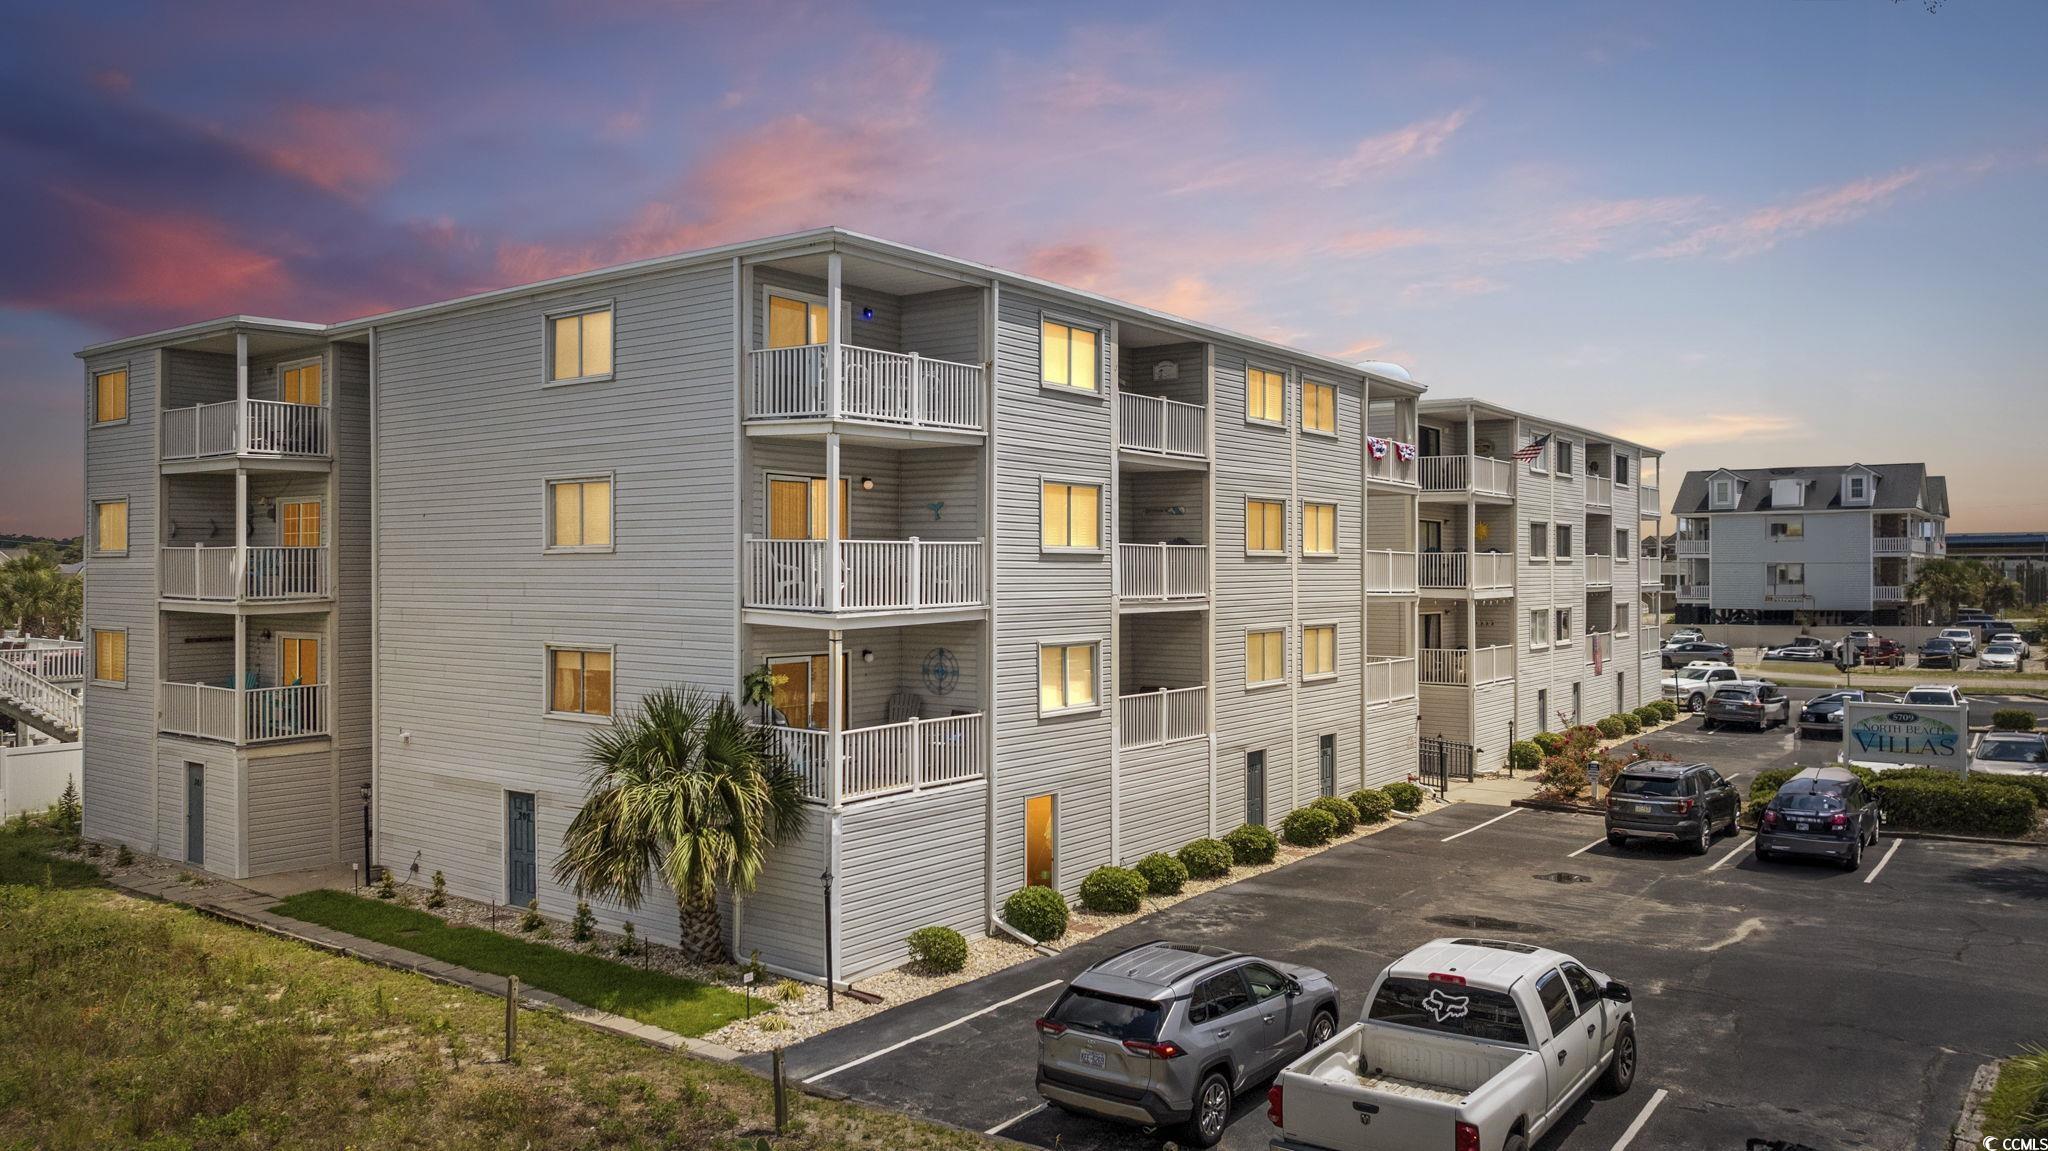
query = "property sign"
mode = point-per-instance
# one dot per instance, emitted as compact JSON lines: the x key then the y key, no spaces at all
{"x":1906,"y":734}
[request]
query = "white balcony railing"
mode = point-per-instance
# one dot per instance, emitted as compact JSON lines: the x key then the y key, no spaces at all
{"x":1649,"y":571}
{"x":268,"y":573}
{"x":1692,"y":547}
{"x":257,"y":428}
{"x":1892,"y":545}
{"x":1479,"y":571}
{"x":1390,"y":572}
{"x":1388,"y":680}
{"x":1599,"y":492}
{"x":1458,"y":667}
{"x":39,"y":695}
{"x":1599,"y":569}
{"x":59,"y":661}
{"x":1391,"y":468}
{"x":875,"y":575}
{"x":1150,"y":717}
{"x":266,"y":713}
{"x":888,"y":758}
{"x":1693,"y":592}
{"x":1162,"y":572}
{"x":1481,"y":475}
{"x":1157,"y":424}
{"x":877,"y":386}
{"x":1650,"y":499}
{"x":1888,"y":593}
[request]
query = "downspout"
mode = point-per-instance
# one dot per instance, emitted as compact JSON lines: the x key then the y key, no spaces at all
{"x":376,"y":648}
{"x":992,"y":303}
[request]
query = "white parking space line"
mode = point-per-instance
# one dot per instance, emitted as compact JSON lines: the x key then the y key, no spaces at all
{"x":1737,"y":850}
{"x":1013,"y":1120}
{"x":1588,"y":847}
{"x":1642,"y":1117}
{"x":1476,"y":827}
{"x":1879,"y":869}
{"x":934,"y":1031}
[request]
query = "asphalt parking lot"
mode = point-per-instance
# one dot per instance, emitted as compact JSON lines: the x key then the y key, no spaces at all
{"x":1779,"y":1001}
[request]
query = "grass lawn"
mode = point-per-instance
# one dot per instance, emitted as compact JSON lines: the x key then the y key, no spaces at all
{"x":2019,"y":1101}
{"x":130,"y":1023}
{"x":684,"y":1006}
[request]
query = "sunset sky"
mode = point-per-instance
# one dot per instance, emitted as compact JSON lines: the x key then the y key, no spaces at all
{"x":1754,"y":233}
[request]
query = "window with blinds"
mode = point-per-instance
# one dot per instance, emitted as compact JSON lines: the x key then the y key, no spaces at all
{"x":580,"y":346}
{"x":1265,"y":657}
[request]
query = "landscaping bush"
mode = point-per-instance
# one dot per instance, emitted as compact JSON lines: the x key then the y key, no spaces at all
{"x":1548,"y":742}
{"x":1406,"y":796}
{"x":2012,"y":719}
{"x":1206,"y":859}
{"x":1112,"y":890}
{"x":1611,"y":728}
{"x":1252,"y":844}
{"x":1649,"y":715}
{"x":1962,"y":807}
{"x":2018,"y":1105}
{"x":1345,"y":815}
{"x":2038,"y":784}
{"x":1668,"y":708}
{"x":1039,"y":912}
{"x":1373,"y":804}
{"x":1562,"y":780}
{"x":583,"y":928}
{"x":1631,"y":723}
{"x":1580,"y":740}
{"x":1525,"y":755}
{"x":1308,"y":827}
{"x":940,"y":950}
{"x":1163,"y":874}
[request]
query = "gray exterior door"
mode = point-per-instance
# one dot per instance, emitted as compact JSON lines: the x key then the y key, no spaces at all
{"x":1326,"y":763}
{"x":521,"y":884}
{"x":1255,"y":787}
{"x":195,"y":813}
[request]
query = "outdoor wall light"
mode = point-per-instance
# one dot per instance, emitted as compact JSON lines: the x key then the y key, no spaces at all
{"x":867,"y":313}
{"x":866,"y":484}
{"x":867,"y":655}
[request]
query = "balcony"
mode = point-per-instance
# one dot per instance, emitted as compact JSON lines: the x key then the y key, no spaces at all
{"x":887,"y":759}
{"x":1887,"y":593}
{"x":1599,"y":492}
{"x":1475,"y":571}
{"x":874,"y":575}
{"x":1649,"y":571}
{"x":1459,"y":475}
{"x":264,"y":429}
{"x":1599,"y":570}
{"x":1390,"y":572}
{"x":1162,"y":426}
{"x":894,"y":388}
{"x":1688,"y":546}
{"x":1389,"y":680}
{"x":1162,"y":573}
{"x":59,"y":661}
{"x":255,"y":715}
{"x":1693,"y":592}
{"x":1383,"y":462}
{"x":1457,"y":667}
{"x":225,"y":575}
{"x":1166,"y":716}
{"x":1650,"y":500}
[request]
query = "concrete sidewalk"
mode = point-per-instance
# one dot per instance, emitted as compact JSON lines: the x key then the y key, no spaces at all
{"x":1497,"y":790}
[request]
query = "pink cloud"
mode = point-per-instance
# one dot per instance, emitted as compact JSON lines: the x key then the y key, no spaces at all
{"x":343,"y":150}
{"x":1389,"y":151}
{"x":1765,"y":228}
{"x":166,"y":263}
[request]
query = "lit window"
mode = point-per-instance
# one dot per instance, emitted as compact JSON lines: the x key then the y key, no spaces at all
{"x":1265,"y":656}
{"x":300,"y":384}
{"x":1318,"y":651}
{"x":794,"y":323}
{"x":1066,"y":676}
{"x":579,"y":681}
{"x":299,"y":660}
{"x":110,"y":656}
{"x":1265,"y":396}
{"x":110,"y":527}
{"x":582,"y":346}
{"x":580,"y":514}
{"x":1068,"y":357}
{"x":1319,"y":529}
{"x":110,"y":396}
{"x":298,"y":524}
{"x":1070,"y":515}
{"x":1791,"y":529}
{"x":1265,"y":526}
{"x":1318,"y":407}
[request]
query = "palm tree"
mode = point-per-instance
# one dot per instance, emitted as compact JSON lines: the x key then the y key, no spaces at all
{"x":685,"y":788}
{"x":37,"y":597}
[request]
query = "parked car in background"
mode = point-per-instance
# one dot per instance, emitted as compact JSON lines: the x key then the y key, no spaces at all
{"x":1823,"y":811}
{"x":1806,"y":648}
{"x":1988,"y":628}
{"x":1939,"y":652}
{"x":2015,"y":639}
{"x":1686,"y":803}
{"x":1964,"y":640}
{"x":1822,"y":714}
{"x":1166,"y":1033}
{"x":2002,"y":657}
{"x":1680,"y":654}
{"x":1695,"y":682}
{"x":1683,"y":635}
{"x":2010,"y":753}
{"x":1882,"y":652}
{"x":1758,"y":702}
{"x":1854,"y":640}
{"x":1464,"y":1043}
{"x":1935,"y":695}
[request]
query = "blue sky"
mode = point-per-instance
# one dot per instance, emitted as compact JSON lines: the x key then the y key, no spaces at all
{"x":1754,"y":233}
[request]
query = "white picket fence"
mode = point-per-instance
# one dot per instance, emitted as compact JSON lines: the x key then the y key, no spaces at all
{"x":1150,"y":717}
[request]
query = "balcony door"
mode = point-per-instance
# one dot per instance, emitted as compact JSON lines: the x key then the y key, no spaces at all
{"x":797,"y":511}
{"x":1432,"y":629}
{"x":1040,"y":840}
{"x":298,"y":660}
{"x":796,"y":321}
{"x":803,"y":690}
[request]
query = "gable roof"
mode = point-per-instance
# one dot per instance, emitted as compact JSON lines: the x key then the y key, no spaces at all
{"x":1900,"y":487}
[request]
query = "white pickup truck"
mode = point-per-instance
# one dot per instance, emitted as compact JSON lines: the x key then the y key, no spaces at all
{"x":1466,"y":1045}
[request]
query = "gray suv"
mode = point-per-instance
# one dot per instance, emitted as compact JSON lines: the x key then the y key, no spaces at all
{"x":1172,"y":1033}
{"x":1685,"y":803}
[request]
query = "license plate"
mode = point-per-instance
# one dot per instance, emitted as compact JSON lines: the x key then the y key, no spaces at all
{"x":1802,"y":827}
{"x":1093,"y":1059}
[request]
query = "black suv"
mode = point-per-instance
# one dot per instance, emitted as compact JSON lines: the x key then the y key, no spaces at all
{"x":1685,"y":803}
{"x":1938,"y":652}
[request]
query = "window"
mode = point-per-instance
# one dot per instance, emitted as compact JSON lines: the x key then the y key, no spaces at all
{"x":1326,"y":764}
{"x":1218,"y":996}
{"x":299,"y":383}
{"x":1788,"y":529}
{"x":1584,"y":989}
{"x":1319,"y":651}
{"x":797,"y":510}
{"x":1265,"y":657}
{"x":1724,"y":493}
{"x":1539,"y":628}
{"x":580,"y":514}
{"x":580,"y":681}
{"x":110,"y":528}
{"x":1411,"y":1002}
{"x":1264,"y":981}
{"x":1265,"y":396}
{"x":796,"y":323}
{"x":1318,"y":529}
{"x":110,"y":396}
{"x":1265,"y":527}
{"x":1066,"y":676}
{"x":1563,"y":628}
{"x":1068,"y":356}
{"x":1539,"y":540}
{"x":1859,"y":487}
{"x":1318,"y":408}
{"x":1564,"y":541}
{"x":1621,"y":552}
{"x":298,"y":523}
{"x":1557,"y":1002}
{"x":581,"y":346}
{"x":1564,"y":457}
{"x":1538,"y":462}
{"x":1788,"y":575}
{"x":298,"y":660}
{"x":1621,"y":614}
{"x":1069,"y":516}
{"x":1621,"y":471}
{"x":110,"y":656}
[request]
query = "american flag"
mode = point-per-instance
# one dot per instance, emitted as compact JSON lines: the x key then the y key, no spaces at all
{"x":1534,"y":449}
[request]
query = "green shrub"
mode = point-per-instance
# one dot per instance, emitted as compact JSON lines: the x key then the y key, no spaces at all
{"x":1961,"y":807}
{"x":2018,"y":1105}
{"x":1252,"y":844}
{"x":1112,"y":890}
{"x":1525,"y":755}
{"x":387,"y":888}
{"x":1611,"y":728}
{"x":1406,"y":796}
{"x":529,"y":922}
{"x":1163,"y":874}
{"x":1579,"y":741}
{"x":1308,"y":827}
{"x":1562,"y":780}
{"x":439,"y":896}
{"x":629,"y":944}
{"x":69,"y":814}
{"x":1372,"y":804}
{"x":1039,"y":912}
{"x":1649,"y":715}
{"x":583,"y":928}
{"x":1631,"y":723}
{"x":1340,"y":810}
{"x":2038,"y":784}
{"x":1548,"y":742}
{"x":2012,"y":719}
{"x":940,"y":950}
{"x":1669,"y":708}
{"x":1206,"y":858}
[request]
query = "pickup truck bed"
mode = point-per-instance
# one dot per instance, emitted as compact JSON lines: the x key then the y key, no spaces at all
{"x":1415,"y":1084}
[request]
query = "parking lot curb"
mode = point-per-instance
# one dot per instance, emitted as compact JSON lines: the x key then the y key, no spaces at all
{"x":1547,"y":805}
{"x":1969,"y":1130}
{"x":1946,"y":838}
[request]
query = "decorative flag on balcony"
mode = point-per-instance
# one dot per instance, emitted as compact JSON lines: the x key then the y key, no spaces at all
{"x":1377,"y":446}
{"x":1534,"y":448}
{"x":1404,"y":452}
{"x":1599,"y":655}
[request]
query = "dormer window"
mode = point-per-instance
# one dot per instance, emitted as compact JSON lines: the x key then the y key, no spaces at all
{"x":1788,"y":493}
{"x":1859,"y":487}
{"x":1724,"y":493}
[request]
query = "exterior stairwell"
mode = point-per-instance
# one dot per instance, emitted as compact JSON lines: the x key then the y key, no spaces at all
{"x":27,"y":697}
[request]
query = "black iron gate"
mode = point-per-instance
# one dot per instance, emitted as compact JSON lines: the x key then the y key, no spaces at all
{"x":1442,"y":760}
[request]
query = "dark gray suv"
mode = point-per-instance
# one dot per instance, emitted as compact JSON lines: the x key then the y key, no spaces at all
{"x":1685,"y":803}
{"x":1171,"y":1033}
{"x":1823,"y":811}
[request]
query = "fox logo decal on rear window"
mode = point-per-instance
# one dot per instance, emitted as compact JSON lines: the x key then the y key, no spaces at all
{"x":1443,"y":1007}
